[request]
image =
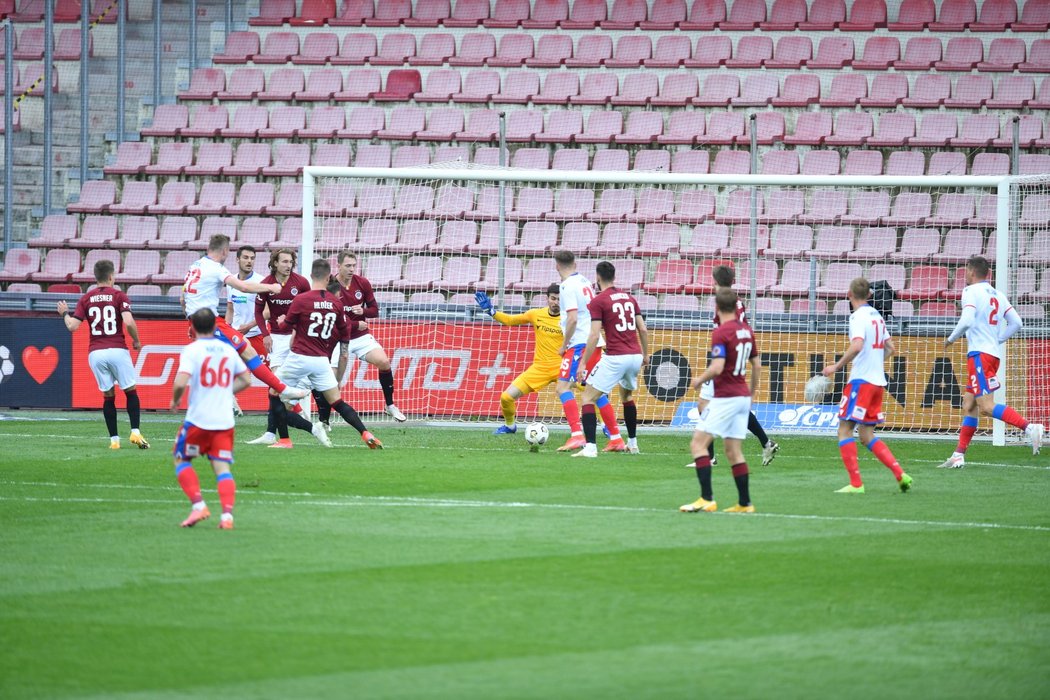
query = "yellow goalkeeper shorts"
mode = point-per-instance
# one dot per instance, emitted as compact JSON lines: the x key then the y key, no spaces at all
{"x":535,"y":378}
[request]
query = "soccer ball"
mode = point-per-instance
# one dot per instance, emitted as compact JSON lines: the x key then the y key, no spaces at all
{"x":817,"y":388}
{"x":536,"y":434}
{"x":7,"y":368}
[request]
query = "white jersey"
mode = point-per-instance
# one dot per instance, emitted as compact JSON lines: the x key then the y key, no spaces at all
{"x":575,"y":293}
{"x":869,"y":366}
{"x":204,"y":282}
{"x":990,"y":307}
{"x":244,"y":306}
{"x":212,"y":366}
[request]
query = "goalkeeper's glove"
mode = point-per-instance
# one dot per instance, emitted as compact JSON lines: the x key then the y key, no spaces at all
{"x":485,"y":303}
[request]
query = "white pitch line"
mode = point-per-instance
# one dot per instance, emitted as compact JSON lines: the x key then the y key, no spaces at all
{"x":357,"y":501}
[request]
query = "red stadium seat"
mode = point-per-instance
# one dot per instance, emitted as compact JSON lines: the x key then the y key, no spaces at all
{"x":706,"y":241}
{"x":405,"y":123}
{"x":671,"y":51}
{"x":825,"y":207}
{"x":207,"y":122}
{"x":818,"y":162}
{"x":215,"y":197}
{"x":914,"y":16}
{"x":927,"y":282}
{"x":833,"y":51}
{"x":253,"y":199}
{"x":918,"y":245}
{"x":434,"y":50}
{"x":712,"y":51}
{"x":240,"y":47}
{"x":356,"y":50}
{"x":474,"y":50}
{"x":132,"y":159}
{"x":677,"y":90}
{"x":248,"y":120}
{"x":851,"y":129}
{"x":174,"y":198}
{"x":847,"y":90}
{"x":961,"y":54}
{"x":631,"y":51}
{"x":791,"y":52}
{"x":442,"y":125}
{"x":865,"y":16}
{"x":395,"y":50}
{"x":800,"y":90}
{"x":283,"y":85}
{"x":176,"y":233}
{"x":137,"y":232}
{"x":135,"y":198}
{"x":936,"y":130}
{"x":58,"y":230}
{"x":825,"y":15}
{"x":60,"y":265}
{"x":920,"y":53}
{"x":479,"y":87}
{"x":959,"y":244}
{"x":558,"y":88}
{"x":751,"y":52}
{"x":512,"y":52}
{"x":639,"y":89}
{"x":390,"y":13}
{"x":654,"y":204}
{"x":318,"y":49}
{"x":592,"y":50}
{"x":867,"y":208}
{"x":704,"y":15}
{"x":552,"y":50}
{"x":641,"y":128}
{"x":353,"y":13}
{"x":836,"y":279}
{"x":273,"y":13}
{"x":811,"y":129}
{"x":67,"y":46}
{"x":880,"y":52}
{"x":597,"y":89}
{"x":955,"y":16}
{"x":211,"y":159}
{"x":372,"y":156}
{"x":400,"y":86}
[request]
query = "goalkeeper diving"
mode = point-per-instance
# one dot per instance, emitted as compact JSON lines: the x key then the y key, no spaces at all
{"x":546,"y":361}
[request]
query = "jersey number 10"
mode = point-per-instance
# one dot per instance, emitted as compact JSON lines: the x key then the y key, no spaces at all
{"x":743,"y":354}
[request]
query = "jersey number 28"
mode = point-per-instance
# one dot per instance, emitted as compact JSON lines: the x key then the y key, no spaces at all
{"x":103,"y":320}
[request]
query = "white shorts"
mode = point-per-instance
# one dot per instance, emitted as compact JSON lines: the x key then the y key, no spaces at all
{"x":112,"y":366}
{"x":615,"y":369}
{"x":707,"y":390}
{"x":282,"y":346}
{"x":308,"y":372}
{"x":726,"y":417}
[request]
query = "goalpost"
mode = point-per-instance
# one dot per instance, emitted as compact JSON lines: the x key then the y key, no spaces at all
{"x":428,"y":238}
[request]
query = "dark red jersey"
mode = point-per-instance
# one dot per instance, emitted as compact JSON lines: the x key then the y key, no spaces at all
{"x":279,"y":303}
{"x":735,"y":343}
{"x":359,"y":292}
{"x":103,"y":308}
{"x":316,"y":318}
{"x":741,"y":314}
{"x":617,"y":310}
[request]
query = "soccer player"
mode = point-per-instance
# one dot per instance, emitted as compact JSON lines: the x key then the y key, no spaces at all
{"x":988,"y":320}
{"x":317,"y":318}
{"x":240,"y":307}
{"x":213,"y":372}
{"x":617,"y":313}
{"x":574,"y":293}
{"x":108,"y":311}
{"x":546,"y":358}
{"x":733,"y":349}
{"x":276,"y":342}
{"x":724,"y":277}
{"x":870,"y":346}
{"x":359,"y":304}
{"x":204,"y":280}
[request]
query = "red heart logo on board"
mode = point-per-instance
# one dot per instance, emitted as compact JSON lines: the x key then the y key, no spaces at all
{"x":40,"y":363}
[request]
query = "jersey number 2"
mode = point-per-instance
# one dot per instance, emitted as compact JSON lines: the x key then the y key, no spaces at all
{"x":993,"y":316}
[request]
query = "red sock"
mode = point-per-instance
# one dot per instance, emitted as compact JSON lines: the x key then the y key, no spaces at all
{"x":848,"y":450}
{"x":189,"y":482}
{"x":227,"y":489}
{"x":882,"y":452}
{"x":572,"y":414}
{"x":1013,"y":418}
{"x":609,"y":418}
{"x":263,"y":373}
{"x":965,"y":435}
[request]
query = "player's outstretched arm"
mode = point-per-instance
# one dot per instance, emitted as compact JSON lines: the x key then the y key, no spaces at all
{"x":484,"y":303}
{"x":252,"y":287}
{"x":72,"y":323}
{"x":133,"y":329}
{"x":855,"y":346}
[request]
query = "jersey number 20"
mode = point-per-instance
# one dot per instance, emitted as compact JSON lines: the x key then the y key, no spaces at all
{"x":321,"y":325}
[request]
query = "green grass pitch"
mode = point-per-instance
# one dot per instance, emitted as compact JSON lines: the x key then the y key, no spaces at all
{"x":455,"y":564}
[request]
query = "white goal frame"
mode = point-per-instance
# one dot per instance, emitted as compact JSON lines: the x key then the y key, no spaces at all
{"x":1001,"y":184}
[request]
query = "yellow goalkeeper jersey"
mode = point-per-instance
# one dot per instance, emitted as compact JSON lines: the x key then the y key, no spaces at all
{"x":549,"y":338}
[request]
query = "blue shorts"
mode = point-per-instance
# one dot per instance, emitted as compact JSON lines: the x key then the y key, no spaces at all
{"x":570,"y":363}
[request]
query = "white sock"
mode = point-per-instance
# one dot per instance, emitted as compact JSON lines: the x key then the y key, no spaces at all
{"x":114,"y":438}
{"x":632,"y":442}
{"x":199,"y":505}
{"x":135,"y":431}
{"x":268,"y":434}
{"x":226,"y":516}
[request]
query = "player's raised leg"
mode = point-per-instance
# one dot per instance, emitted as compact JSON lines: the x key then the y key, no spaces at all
{"x":508,"y":403}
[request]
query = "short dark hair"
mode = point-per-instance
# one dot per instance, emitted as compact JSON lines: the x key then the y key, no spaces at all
{"x":724,"y":275}
{"x":344,"y":254}
{"x":980,"y":266}
{"x":553,"y":288}
{"x":103,"y":270}
{"x":564,"y":257}
{"x":334,"y":287}
{"x":606,"y":271}
{"x":860,"y":288}
{"x":321,"y":269}
{"x":243,"y":248}
{"x":219,"y":241}
{"x":203,"y":321}
{"x":725,"y":301}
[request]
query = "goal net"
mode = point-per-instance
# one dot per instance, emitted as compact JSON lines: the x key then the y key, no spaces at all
{"x":428,"y":238}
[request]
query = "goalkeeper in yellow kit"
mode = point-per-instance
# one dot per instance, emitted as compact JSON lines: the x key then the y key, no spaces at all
{"x":546,"y":361}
